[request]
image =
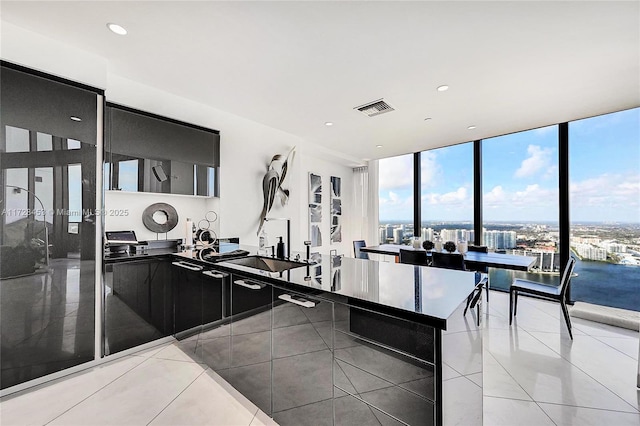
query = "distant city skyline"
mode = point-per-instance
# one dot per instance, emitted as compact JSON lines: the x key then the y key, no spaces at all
{"x":520,"y":176}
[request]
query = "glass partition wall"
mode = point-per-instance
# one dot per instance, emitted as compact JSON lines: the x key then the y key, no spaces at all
{"x":48,"y":158}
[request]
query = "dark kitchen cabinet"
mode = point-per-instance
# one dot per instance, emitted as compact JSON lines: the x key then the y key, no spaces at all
{"x":141,"y":154}
{"x":199,"y":296}
{"x":187,"y":291}
{"x":248,"y":294}
{"x":215,"y":295}
{"x":247,"y":354}
{"x":138,"y":303}
{"x":302,"y":355}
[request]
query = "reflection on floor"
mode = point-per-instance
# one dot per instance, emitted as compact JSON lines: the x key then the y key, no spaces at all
{"x":124,"y":328}
{"x":159,"y":386}
{"x":533,"y":374}
{"x":47,"y":320}
{"x":299,"y":385}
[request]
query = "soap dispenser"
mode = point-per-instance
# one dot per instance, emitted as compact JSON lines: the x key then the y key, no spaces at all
{"x":280,"y":249}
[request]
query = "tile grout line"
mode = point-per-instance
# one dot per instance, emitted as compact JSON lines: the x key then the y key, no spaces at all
{"x":613,"y":347}
{"x":588,"y":408}
{"x":519,"y":400}
{"x":93,"y":393}
{"x":176,"y":397}
{"x":580,"y":369}
{"x":510,"y":375}
{"x":545,"y":413}
{"x":583,"y":371}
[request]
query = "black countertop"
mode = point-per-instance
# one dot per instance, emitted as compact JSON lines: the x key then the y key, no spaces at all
{"x":418,"y":293}
{"x":123,"y":257}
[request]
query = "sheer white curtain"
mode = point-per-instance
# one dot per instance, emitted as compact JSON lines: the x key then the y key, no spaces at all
{"x":365,"y":190}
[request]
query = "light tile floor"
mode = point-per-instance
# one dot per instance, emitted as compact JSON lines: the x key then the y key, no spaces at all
{"x":158,"y":386}
{"x":533,"y":374}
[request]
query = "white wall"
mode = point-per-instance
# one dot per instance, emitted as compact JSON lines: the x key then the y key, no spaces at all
{"x":326,"y":169}
{"x":124,"y":212}
{"x":246,"y":146}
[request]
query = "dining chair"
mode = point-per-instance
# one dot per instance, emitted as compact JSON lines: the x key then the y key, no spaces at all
{"x":483,"y":269}
{"x":556,"y":293}
{"x":414,"y":257}
{"x":447,"y":260}
{"x":456,"y":261}
{"x":357,"y":245}
{"x":475,"y":298}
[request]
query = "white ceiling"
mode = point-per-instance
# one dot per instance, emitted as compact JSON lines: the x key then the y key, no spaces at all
{"x":295,"y":65}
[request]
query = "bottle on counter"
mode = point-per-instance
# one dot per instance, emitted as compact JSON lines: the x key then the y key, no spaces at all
{"x":263,"y":242}
{"x":188,"y":236}
{"x":280,"y":249}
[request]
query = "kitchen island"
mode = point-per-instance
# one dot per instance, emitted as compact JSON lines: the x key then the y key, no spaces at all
{"x":344,"y":341}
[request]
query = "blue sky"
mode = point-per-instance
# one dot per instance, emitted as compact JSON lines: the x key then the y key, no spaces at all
{"x":520,"y":175}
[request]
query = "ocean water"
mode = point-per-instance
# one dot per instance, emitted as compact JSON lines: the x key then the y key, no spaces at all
{"x":606,"y":284}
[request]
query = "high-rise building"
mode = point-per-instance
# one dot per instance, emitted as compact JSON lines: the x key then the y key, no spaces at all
{"x":389,"y":230}
{"x":587,"y":251}
{"x":382,"y":235}
{"x":499,"y":240}
{"x":427,"y":234}
{"x":398,"y":235}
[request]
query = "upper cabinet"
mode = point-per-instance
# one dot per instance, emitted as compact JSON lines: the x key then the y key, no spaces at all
{"x":148,"y":153}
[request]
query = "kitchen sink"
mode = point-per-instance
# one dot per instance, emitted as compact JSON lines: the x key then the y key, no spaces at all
{"x":266,"y":263}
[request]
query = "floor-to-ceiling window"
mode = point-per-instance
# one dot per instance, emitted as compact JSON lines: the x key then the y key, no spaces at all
{"x":521,"y":208}
{"x":520,"y":201}
{"x":396,"y":199}
{"x":605,"y":208}
{"x":446,"y":193}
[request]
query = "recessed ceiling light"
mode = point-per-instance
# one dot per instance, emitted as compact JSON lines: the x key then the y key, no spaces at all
{"x":74,"y":118}
{"x":117,"y":29}
{"x":471,"y":127}
{"x":443,"y":88}
{"x":328,"y":123}
{"x":378,"y":146}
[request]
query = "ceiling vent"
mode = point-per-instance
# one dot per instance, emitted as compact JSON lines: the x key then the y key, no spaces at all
{"x":378,"y":107}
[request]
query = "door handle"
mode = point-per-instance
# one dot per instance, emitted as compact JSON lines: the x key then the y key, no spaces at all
{"x":297,"y":300}
{"x":214,"y":274}
{"x":188,"y":266}
{"x":249,"y":285}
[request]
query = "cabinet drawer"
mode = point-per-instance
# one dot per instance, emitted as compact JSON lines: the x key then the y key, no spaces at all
{"x":248,"y":294}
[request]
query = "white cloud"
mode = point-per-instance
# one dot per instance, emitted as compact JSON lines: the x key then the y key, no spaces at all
{"x":619,"y":191}
{"x":396,"y":172}
{"x":539,"y":159}
{"x":495,"y":198}
{"x":614,"y":197}
{"x":533,"y":196}
{"x":455,"y":198}
{"x":430,"y":171}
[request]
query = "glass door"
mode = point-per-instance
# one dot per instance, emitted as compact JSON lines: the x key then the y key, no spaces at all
{"x":48,"y":226}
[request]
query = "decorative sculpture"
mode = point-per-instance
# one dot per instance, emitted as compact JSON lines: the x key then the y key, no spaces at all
{"x":449,"y":246}
{"x":272,"y":184}
{"x":427,"y":245}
